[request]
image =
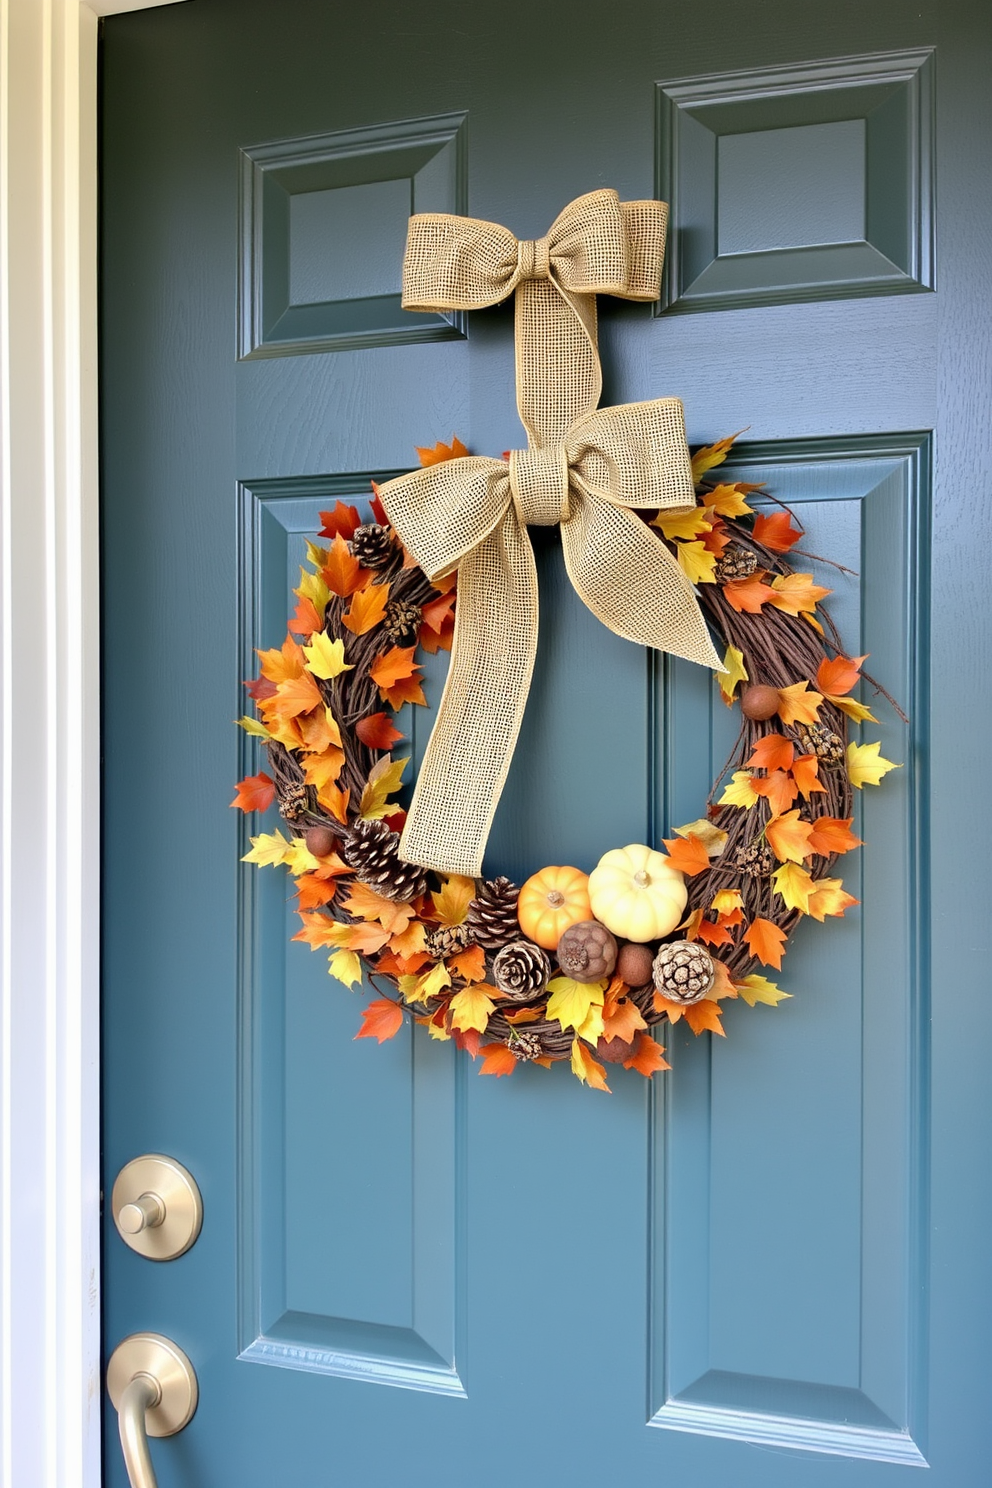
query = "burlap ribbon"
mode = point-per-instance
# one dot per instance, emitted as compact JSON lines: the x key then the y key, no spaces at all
{"x":597,"y":245}
{"x":472,"y":514}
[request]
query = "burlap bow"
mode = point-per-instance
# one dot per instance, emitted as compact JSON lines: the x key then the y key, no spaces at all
{"x":472,"y":514}
{"x":597,"y":245}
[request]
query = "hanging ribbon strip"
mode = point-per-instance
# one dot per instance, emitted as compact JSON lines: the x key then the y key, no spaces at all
{"x":472,"y":514}
{"x":597,"y":245}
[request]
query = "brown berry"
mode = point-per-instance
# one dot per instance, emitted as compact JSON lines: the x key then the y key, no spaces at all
{"x":320,"y":841}
{"x":759,"y":702}
{"x":634,"y":964}
{"x":614,"y":1050}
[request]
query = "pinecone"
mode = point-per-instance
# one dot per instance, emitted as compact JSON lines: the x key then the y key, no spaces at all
{"x":525,"y":1045}
{"x":402,"y":622}
{"x":755,"y":858}
{"x":587,"y":951}
{"x":492,"y":916}
{"x":372,"y":545}
{"x":683,"y":972}
{"x":521,"y":970}
{"x":373,"y":853}
{"x":814,"y":738}
{"x":446,"y":940}
{"x":294,"y":802}
{"x":737,"y":562}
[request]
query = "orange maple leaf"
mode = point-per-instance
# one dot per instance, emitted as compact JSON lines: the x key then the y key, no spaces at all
{"x":829,"y":897}
{"x":321,"y":736}
{"x":318,"y":929}
{"x":341,"y":522}
{"x":306,"y":618}
{"x":621,"y":1019}
{"x":314,"y":891}
{"x":470,"y":965}
{"x":283,"y":664}
{"x":748,"y":594}
{"x":778,"y":788}
{"x":453,"y":451}
{"x":646,"y":1056}
{"x":255,"y":793}
{"x":688,"y":854}
{"x":392,"y":964}
{"x":335,"y":800}
{"x":342,"y":573}
{"x":299,"y":695}
{"x":773,"y":752}
{"x":788,"y":837}
{"x":806,"y":774}
{"x":713,"y":934}
{"x":587,"y":1068}
{"x":376,"y":731}
{"x":437,"y":624}
{"x":367,"y":609}
{"x":381,"y":1020}
{"x":704,"y":1017}
{"x":766,"y":941}
{"x":796,"y":704}
{"x":363,"y":901}
{"x":321,"y":769}
{"x":497,"y":1060}
{"x":776,"y":531}
{"x":393,"y":666}
{"x":840,"y":675}
{"x":832,"y":835}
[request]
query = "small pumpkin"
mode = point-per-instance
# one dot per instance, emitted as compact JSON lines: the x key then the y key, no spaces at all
{"x":552,"y":900}
{"x":637,"y":893}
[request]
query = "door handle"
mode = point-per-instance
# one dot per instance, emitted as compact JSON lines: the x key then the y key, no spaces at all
{"x":153,"y":1387}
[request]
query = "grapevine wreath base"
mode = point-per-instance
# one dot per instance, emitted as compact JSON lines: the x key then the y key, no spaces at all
{"x":570,"y":966}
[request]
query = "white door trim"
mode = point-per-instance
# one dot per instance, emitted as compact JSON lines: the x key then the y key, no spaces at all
{"x":50,"y":1380}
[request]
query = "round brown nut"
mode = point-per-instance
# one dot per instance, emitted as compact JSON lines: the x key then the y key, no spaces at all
{"x":614,"y":1050}
{"x":319,"y":840}
{"x":759,"y":702}
{"x":634,"y":964}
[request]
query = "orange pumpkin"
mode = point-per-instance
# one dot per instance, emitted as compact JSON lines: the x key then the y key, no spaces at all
{"x":550,"y":901}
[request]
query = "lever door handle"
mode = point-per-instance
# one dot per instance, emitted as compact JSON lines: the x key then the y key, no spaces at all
{"x":154,"y":1390}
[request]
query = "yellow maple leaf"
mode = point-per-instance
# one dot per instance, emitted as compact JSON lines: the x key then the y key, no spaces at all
{"x":363,"y":902}
{"x":685,"y":524}
{"x":734,"y":671}
{"x":384,"y":777}
{"x":696,"y":562}
{"x":829,"y":898}
{"x":409,"y":941}
{"x":711,"y":454}
{"x":452,"y":901}
{"x":755,"y":988}
{"x":316,"y":555}
{"x":591,"y":1027}
{"x":794,"y":885}
{"x":714,"y":839}
{"x":587,"y":1069}
{"x":798,"y":704}
{"x":313,"y":588}
{"x":796,"y":593}
{"x":472,"y":1007}
{"x":727,"y":501}
{"x":298,"y":858}
{"x":253,"y":727}
{"x":325,"y":658}
{"x":268,"y":850}
{"x":432,"y":983}
{"x":727,"y":900}
{"x":346,"y":966}
{"x":570,"y":1001}
{"x":866,"y":766}
{"x":740,"y":791}
{"x":320,"y":769}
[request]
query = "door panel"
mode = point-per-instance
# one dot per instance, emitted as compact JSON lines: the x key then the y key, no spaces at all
{"x":765,"y":1270}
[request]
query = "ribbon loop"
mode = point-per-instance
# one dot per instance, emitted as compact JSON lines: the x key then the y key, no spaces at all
{"x":539,"y":482}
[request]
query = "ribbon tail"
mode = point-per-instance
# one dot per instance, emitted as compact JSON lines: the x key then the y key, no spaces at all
{"x":631,"y":582}
{"x":471,"y":745}
{"x":558,"y":374}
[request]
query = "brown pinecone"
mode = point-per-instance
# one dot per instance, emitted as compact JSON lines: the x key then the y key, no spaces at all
{"x":814,"y":738}
{"x":373,"y":853}
{"x":755,"y":858}
{"x":587,"y":951}
{"x":294,"y":802}
{"x":525,"y":1045}
{"x":683,"y":971}
{"x":492,"y":916}
{"x":446,"y":940}
{"x":402,"y":622}
{"x":521,"y":970}
{"x":372,"y":545}
{"x":736,"y":562}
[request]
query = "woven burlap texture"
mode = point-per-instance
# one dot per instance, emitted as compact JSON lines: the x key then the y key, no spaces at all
{"x":597,"y":245}
{"x":472,"y":514}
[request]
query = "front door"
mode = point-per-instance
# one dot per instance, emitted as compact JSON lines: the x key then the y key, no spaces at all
{"x":767,"y":1267}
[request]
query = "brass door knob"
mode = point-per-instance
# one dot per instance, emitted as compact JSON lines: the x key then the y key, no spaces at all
{"x":157,"y":1207}
{"x":154,"y":1390}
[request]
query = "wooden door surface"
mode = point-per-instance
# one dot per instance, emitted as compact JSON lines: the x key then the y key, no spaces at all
{"x":767,"y":1268}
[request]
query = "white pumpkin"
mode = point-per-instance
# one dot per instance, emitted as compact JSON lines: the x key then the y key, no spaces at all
{"x":636,"y":893}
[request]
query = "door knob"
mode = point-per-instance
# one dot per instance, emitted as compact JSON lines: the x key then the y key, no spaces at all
{"x":154,"y":1390}
{"x":157,"y":1207}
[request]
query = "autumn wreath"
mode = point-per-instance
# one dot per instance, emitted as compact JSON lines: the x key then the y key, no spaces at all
{"x":571,"y":965}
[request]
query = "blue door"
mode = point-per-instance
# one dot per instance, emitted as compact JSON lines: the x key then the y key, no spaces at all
{"x":766,"y":1268}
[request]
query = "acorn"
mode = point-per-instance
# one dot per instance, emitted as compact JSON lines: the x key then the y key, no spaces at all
{"x":319,"y":840}
{"x":759,"y":702}
{"x":634,"y":964}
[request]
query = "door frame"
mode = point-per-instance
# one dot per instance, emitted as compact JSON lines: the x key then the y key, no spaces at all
{"x":51,"y":1385}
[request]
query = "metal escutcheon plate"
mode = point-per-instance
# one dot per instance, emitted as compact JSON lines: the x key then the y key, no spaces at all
{"x":150,"y":1353}
{"x":179,"y":1196}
